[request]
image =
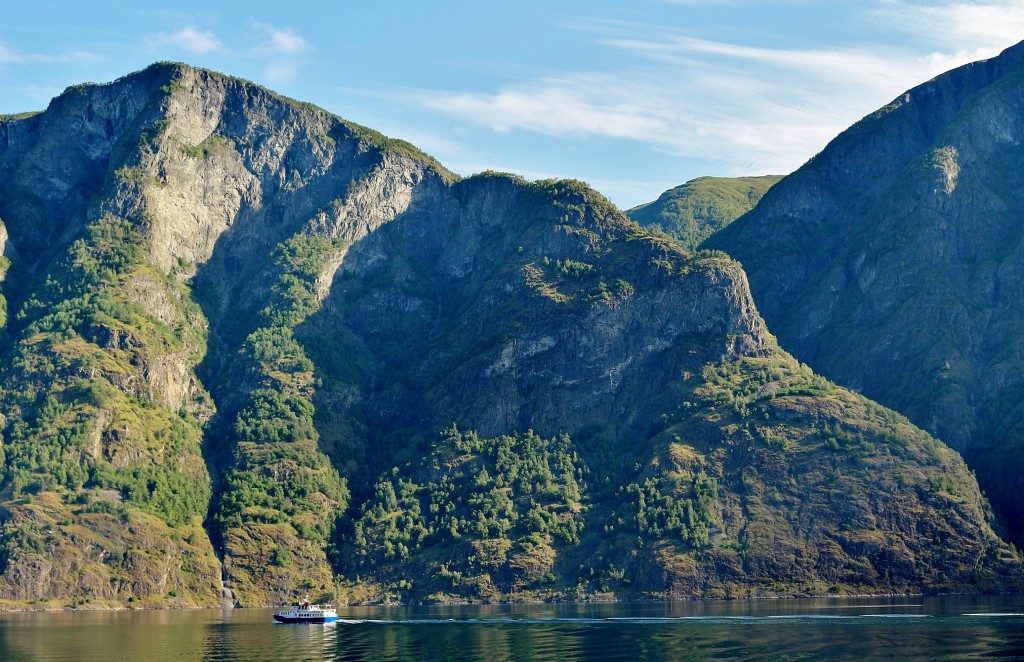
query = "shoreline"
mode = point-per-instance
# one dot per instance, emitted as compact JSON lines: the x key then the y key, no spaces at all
{"x":96,"y":607}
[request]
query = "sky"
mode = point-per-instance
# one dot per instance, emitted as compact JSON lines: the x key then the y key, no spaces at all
{"x":632,"y":97}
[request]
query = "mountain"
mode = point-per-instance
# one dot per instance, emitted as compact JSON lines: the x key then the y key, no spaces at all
{"x":692,"y":212}
{"x":255,"y":351}
{"x":891,"y":262}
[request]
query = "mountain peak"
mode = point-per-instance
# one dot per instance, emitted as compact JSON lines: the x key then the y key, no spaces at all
{"x":692,"y":212}
{"x":890,"y":262}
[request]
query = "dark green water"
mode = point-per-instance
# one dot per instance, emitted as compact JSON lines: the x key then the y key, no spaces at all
{"x":951,"y":628}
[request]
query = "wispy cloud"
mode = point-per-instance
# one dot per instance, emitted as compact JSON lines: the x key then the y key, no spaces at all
{"x":752,"y":110}
{"x":969,"y":27}
{"x":726,"y":113}
{"x":283,"y":47}
{"x":7,"y":56}
{"x":281,"y":40}
{"x":11,"y":56}
{"x":280,"y":73}
{"x":191,"y":40}
{"x":559,"y":107}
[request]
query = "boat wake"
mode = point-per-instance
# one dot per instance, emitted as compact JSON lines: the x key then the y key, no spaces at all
{"x":637,"y":620}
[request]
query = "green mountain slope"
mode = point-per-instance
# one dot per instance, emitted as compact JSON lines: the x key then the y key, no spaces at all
{"x":766,"y":480}
{"x":692,"y":212}
{"x":256,"y":351}
{"x":891,"y":263}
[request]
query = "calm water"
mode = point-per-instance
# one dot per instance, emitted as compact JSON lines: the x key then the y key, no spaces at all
{"x":865,"y":629}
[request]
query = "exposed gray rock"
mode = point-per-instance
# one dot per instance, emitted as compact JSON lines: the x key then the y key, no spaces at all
{"x":891,"y":262}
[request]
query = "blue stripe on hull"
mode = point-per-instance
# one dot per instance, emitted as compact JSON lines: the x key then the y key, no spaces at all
{"x":285,"y":619}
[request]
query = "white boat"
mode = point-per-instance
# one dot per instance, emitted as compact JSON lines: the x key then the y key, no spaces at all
{"x":307,"y":613}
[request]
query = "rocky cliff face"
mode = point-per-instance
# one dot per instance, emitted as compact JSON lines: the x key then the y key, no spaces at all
{"x":891,"y":263}
{"x":242,"y":330}
{"x":557,"y":324}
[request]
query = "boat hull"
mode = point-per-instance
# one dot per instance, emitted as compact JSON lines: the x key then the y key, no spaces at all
{"x":289,"y":619}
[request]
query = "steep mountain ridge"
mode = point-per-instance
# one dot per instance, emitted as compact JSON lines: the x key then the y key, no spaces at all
{"x":163,"y":195}
{"x":891,"y":263}
{"x":242,"y":330}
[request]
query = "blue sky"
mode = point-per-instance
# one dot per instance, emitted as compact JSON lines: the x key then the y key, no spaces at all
{"x":632,"y":97}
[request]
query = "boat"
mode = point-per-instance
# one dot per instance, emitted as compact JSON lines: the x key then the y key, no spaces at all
{"x":305,"y":612}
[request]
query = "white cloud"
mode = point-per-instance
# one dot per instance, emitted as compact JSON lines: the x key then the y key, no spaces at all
{"x":10,"y":56}
{"x":725,"y":113}
{"x":7,"y":56}
{"x":281,"y":40}
{"x":280,"y":73}
{"x":281,"y":47}
{"x":555,"y":107}
{"x":191,"y":40}
{"x":970,"y":28}
{"x":752,"y":110}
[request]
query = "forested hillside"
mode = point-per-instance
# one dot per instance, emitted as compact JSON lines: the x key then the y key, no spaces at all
{"x":891,"y":262}
{"x":692,"y":212}
{"x":254,"y":351}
